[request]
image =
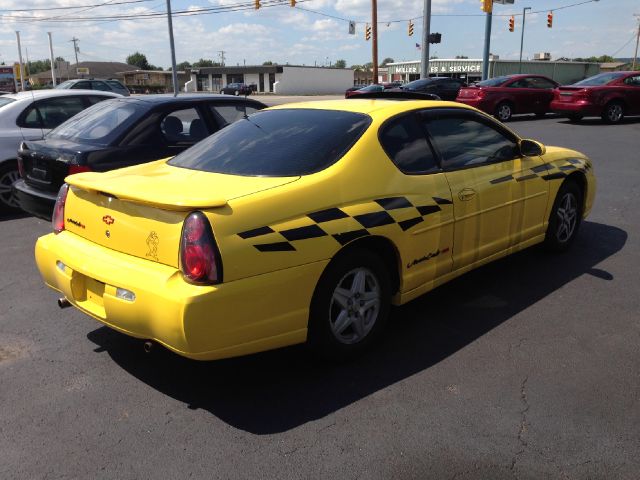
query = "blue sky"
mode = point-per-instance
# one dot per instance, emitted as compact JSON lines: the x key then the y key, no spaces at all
{"x":316,"y":32}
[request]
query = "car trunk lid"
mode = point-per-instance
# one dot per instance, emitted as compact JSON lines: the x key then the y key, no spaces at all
{"x":140,"y":210}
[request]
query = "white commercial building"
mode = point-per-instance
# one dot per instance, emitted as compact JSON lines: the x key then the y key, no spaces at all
{"x":280,"y":79}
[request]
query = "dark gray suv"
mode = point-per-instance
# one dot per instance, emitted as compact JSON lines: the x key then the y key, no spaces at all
{"x":96,"y":84}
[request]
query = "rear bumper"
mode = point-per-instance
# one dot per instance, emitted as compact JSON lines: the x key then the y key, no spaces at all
{"x":200,"y":322}
{"x":34,"y":201}
{"x":478,"y":103}
{"x":579,"y":108}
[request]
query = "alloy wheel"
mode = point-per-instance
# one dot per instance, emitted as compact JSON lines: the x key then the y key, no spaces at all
{"x":504,"y":112}
{"x":355,"y":306}
{"x":614,"y":112}
{"x":7,"y":179}
{"x":567,"y":217}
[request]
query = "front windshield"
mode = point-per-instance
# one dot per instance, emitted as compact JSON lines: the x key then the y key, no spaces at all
{"x":493,"y":82}
{"x":277,"y":143}
{"x":600,"y":79}
{"x":100,"y":124}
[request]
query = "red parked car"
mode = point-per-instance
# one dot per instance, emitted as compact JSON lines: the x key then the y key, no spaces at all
{"x":609,"y":95}
{"x":510,"y":94}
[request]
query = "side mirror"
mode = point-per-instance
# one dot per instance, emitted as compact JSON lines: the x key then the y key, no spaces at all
{"x":531,"y":148}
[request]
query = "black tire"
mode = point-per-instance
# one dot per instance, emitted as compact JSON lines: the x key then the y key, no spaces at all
{"x":570,"y":196}
{"x":337,"y":339}
{"x":8,"y":174}
{"x":575,"y":118}
{"x":540,"y":115}
{"x":613,"y":112}
{"x":504,"y":111}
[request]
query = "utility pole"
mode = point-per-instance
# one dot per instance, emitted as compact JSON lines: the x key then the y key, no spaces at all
{"x":53,"y":65}
{"x":426,"y":31}
{"x":20,"y":58}
{"x":174,"y":73}
{"x":75,"y":48}
{"x":374,"y":43}
{"x":221,"y":53}
{"x":635,"y":55}
{"x":524,"y":17}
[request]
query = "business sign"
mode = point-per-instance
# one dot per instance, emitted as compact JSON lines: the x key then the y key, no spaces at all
{"x":82,"y":71}
{"x":7,"y":79}
{"x":455,"y":68}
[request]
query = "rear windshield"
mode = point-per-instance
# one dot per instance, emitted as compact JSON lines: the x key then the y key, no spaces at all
{"x":418,"y":83}
{"x":5,"y":101}
{"x":493,"y":82}
{"x":67,"y":84}
{"x":600,"y":79}
{"x":100,"y":124}
{"x":277,"y":143}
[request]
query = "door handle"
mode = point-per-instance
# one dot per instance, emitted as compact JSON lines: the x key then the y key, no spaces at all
{"x":466,"y":194}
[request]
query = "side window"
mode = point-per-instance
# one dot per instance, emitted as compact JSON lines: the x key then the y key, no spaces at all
{"x":466,"y":142}
{"x":93,"y":99}
{"x":226,"y":114}
{"x":633,"y":81}
{"x":31,"y":118}
{"x":522,"y":83}
{"x":541,"y":83}
{"x":100,"y":86}
{"x":406,"y":144}
{"x":54,"y":111}
{"x":82,"y":86}
{"x":183,"y":127}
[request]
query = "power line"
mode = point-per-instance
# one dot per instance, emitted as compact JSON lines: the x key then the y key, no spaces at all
{"x":71,"y":8}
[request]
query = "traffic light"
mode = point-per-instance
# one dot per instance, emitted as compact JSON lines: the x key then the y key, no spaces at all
{"x":367,"y":32}
{"x":292,"y":3}
{"x":512,"y":23}
{"x":550,"y":19}
{"x":486,"y":6}
{"x":410,"y":28}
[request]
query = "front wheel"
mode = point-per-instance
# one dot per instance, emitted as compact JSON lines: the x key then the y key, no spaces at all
{"x":565,"y":218}
{"x":504,"y":111}
{"x":8,"y":176}
{"x":350,"y":305}
{"x":613,"y":113}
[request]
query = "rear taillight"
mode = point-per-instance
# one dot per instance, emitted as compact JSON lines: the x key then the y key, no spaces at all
{"x":57,"y":220}
{"x":200,"y":260}
{"x":78,"y":169}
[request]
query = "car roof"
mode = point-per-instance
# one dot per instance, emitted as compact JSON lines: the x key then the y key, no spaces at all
{"x":52,"y":92}
{"x":183,"y":97}
{"x":373,"y":107}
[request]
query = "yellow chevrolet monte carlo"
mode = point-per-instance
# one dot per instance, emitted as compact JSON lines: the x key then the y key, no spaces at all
{"x":305,"y":222}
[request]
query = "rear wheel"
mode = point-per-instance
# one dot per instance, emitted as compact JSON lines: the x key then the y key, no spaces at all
{"x":613,"y":112}
{"x":504,"y":111}
{"x":565,"y":218}
{"x":350,"y":305}
{"x":8,"y":176}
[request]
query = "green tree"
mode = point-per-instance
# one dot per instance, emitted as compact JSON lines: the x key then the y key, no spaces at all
{"x":341,"y":63}
{"x":182,"y":66}
{"x":461,"y":56}
{"x":386,"y":61}
{"x":139,"y":60}
{"x":204,"y":62}
{"x":268,"y":62}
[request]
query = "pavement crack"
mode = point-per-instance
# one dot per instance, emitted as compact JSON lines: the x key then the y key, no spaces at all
{"x":522,"y":443}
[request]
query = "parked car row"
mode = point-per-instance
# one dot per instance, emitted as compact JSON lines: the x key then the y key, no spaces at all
{"x":610,"y":96}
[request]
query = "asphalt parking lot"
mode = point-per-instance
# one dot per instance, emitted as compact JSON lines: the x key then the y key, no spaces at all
{"x":528,"y":368}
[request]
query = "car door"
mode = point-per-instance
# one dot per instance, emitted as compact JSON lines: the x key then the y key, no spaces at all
{"x":632,"y":90}
{"x":522,"y":95}
{"x":421,"y":199}
{"x":499,"y":197}
{"x":542,"y":93}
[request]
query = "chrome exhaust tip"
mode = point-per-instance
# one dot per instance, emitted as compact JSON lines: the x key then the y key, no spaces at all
{"x":148,"y":346}
{"x":63,"y":302}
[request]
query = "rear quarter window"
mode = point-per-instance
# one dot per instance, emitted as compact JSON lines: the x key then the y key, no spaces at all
{"x":279,"y":143}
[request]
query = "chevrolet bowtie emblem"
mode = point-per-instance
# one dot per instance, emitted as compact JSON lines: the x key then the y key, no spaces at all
{"x":108,"y":219}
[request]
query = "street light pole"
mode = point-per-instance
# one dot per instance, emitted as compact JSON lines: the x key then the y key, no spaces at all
{"x":173,"y":51}
{"x":487,"y":45}
{"x":374,"y":43}
{"x":635,"y":55}
{"x":524,"y":16}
